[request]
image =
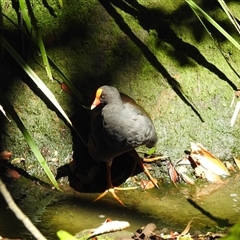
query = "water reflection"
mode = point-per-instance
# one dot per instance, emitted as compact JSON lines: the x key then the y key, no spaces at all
{"x":169,"y":207}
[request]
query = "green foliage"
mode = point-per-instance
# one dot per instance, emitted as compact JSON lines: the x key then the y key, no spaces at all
{"x":201,"y":13}
{"x":234,"y":233}
{"x":31,"y":23}
{"x":63,"y":235}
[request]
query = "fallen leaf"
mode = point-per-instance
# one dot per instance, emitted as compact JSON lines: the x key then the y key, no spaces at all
{"x":230,"y":166}
{"x":109,"y":226}
{"x":187,"y":179}
{"x":199,"y":172}
{"x":235,"y":114}
{"x":184,"y":161}
{"x":172,"y":173}
{"x":5,"y":155}
{"x":146,"y":184}
{"x":237,"y":161}
{"x":186,"y":230}
{"x":13,"y":174}
{"x":202,"y":172}
{"x":206,"y":159}
{"x":211,"y":177}
{"x":66,"y":89}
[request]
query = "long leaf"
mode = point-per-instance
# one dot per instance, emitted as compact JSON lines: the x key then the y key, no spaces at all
{"x":28,"y":138}
{"x":33,"y":29}
{"x":230,"y":15}
{"x":197,"y":10}
{"x":35,"y":78}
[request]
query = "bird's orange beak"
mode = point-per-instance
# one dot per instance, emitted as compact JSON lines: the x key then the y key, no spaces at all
{"x":96,"y":101}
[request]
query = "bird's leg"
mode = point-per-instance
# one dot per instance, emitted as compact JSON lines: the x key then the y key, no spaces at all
{"x":141,"y":161}
{"x":111,"y":188}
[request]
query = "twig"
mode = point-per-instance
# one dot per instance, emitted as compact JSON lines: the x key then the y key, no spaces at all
{"x":235,"y":114}
{"x":19,"y":214}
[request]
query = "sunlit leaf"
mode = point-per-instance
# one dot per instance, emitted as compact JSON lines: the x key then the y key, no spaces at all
{"x":230,"y":166}
{"x":211,"y":177}
{"x":187,"y":179}
{"x":63,"y":235}
{"x":202,"y":172}
{"x":235,"y":114}
{"x":206,"y":159}
{"x":146,"y":184}
{"x":4,"y":113}
{"x":172,"y":173}
{"x":237,"y":161}
{"x":186,"y":230}
{"x":151,"y":151}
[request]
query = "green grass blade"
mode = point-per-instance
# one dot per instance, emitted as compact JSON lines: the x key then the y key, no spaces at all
{"x":26,"y":18}
{"x":28,"y":138}
{"x":198,"y":11}
{"x":230,"y":15}
{"x":43,"y":54}
{"x":31,"y":23}
{"x":35,"y":78}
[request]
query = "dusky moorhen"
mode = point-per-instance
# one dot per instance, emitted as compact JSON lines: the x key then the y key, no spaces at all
{"x":118,"y":125}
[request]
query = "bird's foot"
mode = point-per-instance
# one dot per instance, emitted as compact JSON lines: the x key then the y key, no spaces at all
{"x":149,"y":176}
{"x":112,"y":191}
{"x":148,"y":160}
{"x":154,"y":159}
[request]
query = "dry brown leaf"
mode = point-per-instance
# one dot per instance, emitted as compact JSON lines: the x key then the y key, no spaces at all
{"x":172,"y":173}
{"x":66,"y":89}
{"x":204,"y":173}
{"x":199,"y":171}
{"x":187,"y":179}
{"x":109,"y":226}
{"x":146,"y":184}
{"x":186,"y":230}
{"x":201,"y":155}
{"x":237,"y":161}
{"x":230,"y":166}
{"x":13,"y":173}
{"x":5,"y":155}
{"x":183,"y":161}
{"x":211,"y":177}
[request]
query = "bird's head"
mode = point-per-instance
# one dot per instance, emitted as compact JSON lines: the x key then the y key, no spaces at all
{"x":97,"y":99}
{"x":104,"y":95}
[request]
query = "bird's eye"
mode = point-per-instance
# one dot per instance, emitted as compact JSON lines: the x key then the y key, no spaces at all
{"x":103,"y":96}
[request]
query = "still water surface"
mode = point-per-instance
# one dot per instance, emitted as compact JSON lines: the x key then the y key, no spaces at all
{"x":169,"y":207}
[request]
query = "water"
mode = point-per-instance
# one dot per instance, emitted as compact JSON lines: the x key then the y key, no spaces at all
{"x":170,"y":207}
